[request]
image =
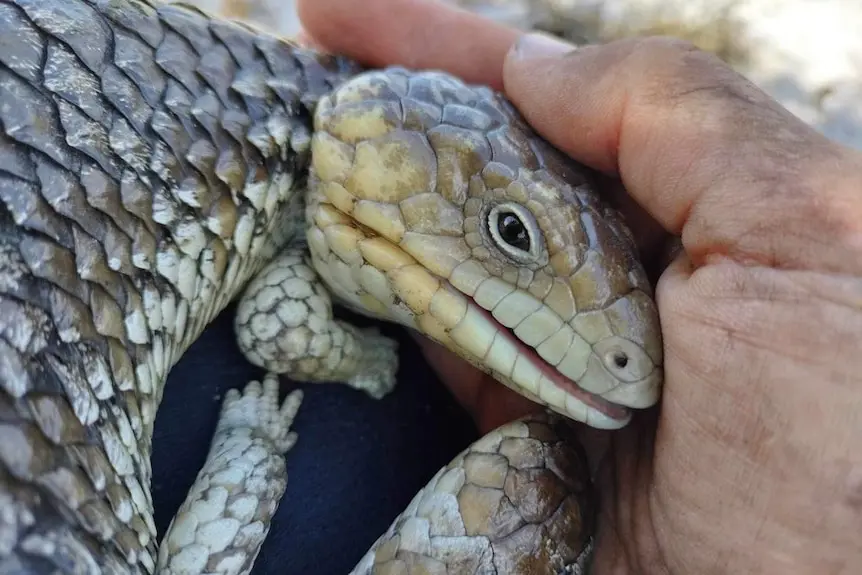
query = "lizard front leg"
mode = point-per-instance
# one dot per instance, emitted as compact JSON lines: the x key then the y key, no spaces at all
{"x":226,"y":516}
{"x":284,"y":323}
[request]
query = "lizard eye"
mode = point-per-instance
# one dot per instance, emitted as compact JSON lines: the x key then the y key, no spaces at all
{"x":512,"y":231}
{"x":515,"y":231}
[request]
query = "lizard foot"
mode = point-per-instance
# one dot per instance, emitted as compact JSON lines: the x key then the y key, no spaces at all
{"x":257,"y":409}
{"x":376,"y":376}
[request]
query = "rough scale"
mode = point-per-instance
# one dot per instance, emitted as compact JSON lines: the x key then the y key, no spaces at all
{"x":157,"y":163}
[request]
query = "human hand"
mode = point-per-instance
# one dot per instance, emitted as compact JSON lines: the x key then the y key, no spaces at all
{"x":753,"y":463}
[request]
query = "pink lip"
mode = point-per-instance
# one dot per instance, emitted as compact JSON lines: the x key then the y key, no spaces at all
{"x":612,"y":410}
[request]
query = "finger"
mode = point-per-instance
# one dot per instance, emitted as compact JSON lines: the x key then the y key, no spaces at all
{"x":703,"y":150}
{"x":426,"y":34}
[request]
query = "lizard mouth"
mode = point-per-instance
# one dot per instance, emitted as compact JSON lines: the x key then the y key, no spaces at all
{"x":594,"y":402}
{"x":498,"y":350}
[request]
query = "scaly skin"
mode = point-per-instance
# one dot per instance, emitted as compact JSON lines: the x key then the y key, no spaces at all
{"x":155,"y":162}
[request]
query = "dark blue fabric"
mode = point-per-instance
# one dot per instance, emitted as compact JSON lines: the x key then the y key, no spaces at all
{"x":357,"y":464}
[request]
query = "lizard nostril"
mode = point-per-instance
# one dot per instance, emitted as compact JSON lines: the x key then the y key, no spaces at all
{"x":620,"y":359}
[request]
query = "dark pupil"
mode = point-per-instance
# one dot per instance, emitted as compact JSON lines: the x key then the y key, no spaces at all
{"x":513,"y":231}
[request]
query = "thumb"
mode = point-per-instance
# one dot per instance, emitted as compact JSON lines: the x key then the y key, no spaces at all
{"x":705,"y":152}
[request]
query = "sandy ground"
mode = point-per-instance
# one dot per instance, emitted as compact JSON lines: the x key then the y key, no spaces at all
{"x":805,"y":53}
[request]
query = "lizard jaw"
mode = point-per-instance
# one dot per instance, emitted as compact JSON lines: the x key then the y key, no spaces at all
{"x":479,"y":338}
{"x":538,"y":380}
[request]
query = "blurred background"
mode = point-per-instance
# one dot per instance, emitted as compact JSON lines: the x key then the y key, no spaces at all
{"x":805,"y":53}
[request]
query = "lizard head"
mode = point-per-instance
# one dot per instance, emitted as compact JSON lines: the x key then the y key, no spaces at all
{"x":431,"y":203}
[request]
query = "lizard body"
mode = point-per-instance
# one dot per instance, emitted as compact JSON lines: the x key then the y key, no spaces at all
{"x":157,"y":163}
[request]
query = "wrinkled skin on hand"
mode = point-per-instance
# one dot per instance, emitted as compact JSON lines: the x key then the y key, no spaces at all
{"x":753,"y":462}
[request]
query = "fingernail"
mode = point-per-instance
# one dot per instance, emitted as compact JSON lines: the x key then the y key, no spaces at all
{"x":539,"y":45}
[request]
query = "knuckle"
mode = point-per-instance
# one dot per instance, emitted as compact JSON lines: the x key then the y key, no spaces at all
{"x":667,"y":46}
{"x":672,"y":71}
